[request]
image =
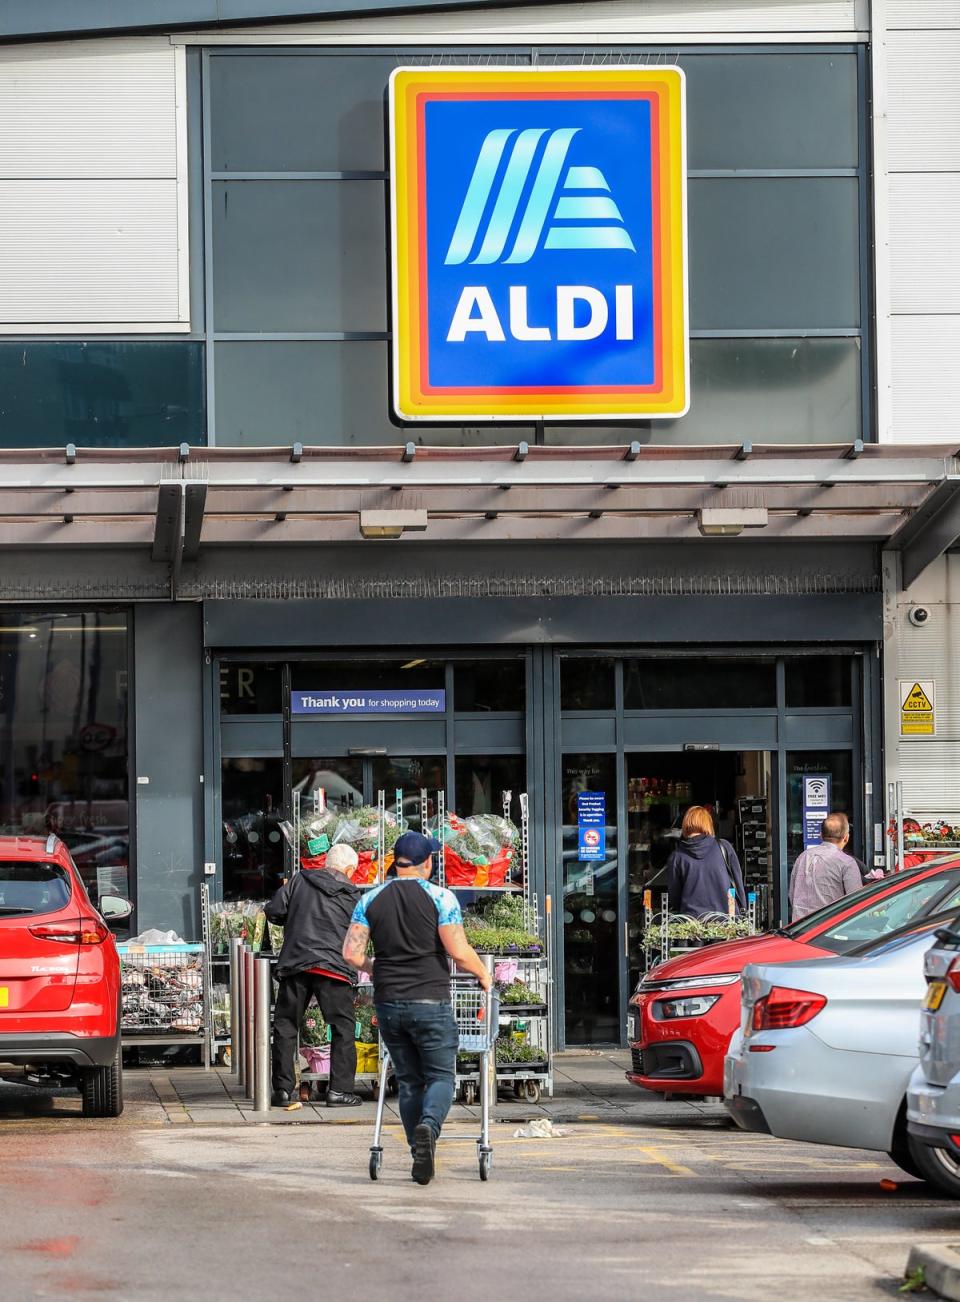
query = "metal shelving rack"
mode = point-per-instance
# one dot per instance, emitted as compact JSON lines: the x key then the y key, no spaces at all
{"x":528,"y":1080}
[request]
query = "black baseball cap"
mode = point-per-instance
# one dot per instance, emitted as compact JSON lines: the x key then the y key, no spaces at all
{"x":412,"y":848}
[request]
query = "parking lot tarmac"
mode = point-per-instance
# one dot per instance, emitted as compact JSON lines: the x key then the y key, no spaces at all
{"x":657,"y":1204}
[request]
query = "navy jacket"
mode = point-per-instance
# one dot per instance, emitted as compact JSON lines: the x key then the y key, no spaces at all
{"x":698,"y":879}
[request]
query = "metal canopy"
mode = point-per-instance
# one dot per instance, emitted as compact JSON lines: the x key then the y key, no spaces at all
{"x":177,"y":501}
{"x":930,"y":531}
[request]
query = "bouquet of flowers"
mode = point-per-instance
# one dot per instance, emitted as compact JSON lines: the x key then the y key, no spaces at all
{"x":359,"y":828}
{"x":478,"y":851}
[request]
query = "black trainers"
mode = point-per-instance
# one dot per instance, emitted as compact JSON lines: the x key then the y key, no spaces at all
{"x":281,"y":1099}
{"x":337,"y":1100}
{"x":424,"y":1148}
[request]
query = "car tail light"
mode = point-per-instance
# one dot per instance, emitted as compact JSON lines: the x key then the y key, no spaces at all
{"x":784,"y":1007}
{"x":82,"y":931}
{"x":953,"y":974}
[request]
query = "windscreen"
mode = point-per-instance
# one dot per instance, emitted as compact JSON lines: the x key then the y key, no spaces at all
{"x":28,"y":888}
{"x":893,"y":914}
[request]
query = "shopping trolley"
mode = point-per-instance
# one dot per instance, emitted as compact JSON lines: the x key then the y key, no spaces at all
{"x":478,"y":1016}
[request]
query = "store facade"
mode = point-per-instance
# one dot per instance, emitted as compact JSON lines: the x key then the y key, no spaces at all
{"x":566,"y":611}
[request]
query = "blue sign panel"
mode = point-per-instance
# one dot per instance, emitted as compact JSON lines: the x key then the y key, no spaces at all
{"x":591,"y":826}
{"x":539,"y":243}
{"x":816,"y":806}
{"x":353,"y":702}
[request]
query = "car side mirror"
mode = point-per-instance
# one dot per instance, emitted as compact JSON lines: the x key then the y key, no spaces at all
{"x":114,"y":908}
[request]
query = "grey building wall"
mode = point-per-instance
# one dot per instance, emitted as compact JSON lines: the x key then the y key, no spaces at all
{"x":168,"y":766}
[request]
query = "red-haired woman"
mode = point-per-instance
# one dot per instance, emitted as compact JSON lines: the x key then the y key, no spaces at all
{"x":702,"y":869}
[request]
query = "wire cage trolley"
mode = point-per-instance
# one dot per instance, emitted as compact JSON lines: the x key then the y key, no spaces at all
{"x":477,"y":1014}
{"x":162,"y":994}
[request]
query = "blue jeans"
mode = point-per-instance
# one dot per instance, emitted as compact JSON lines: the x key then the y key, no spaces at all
{"x":421,"y":1039}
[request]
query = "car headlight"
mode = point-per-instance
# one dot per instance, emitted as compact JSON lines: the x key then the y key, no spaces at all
{"x":651,"y":982}
{"x":691,"y":1006}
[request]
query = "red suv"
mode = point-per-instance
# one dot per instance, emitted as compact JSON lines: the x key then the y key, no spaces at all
{"x":59,"y":975}
{"x":684,"y":1011}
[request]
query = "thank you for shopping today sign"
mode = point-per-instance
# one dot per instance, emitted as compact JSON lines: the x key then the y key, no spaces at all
{"x":591,"y":826}
{"x":539,"y":243}
{"x":354,"y":702}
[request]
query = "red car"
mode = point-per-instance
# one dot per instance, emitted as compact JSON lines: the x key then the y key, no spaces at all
{"x":684,"y":1011}
{"x":59,"y":975}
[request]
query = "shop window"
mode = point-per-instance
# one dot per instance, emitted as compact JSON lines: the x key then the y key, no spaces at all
{"x":835,"y":766}
{"x":481,"y":781}
{"x":591,"y":934}
{"x":304,"y":256}
{"x":340,"y":780}
{"x":710,"y":683}
{"x":325,"y":393}
{"x":300,"y":113}
{"x":101,"y":394}
{"x":489,"y":685}
{"x":587,"y":683}
{"x":251,"y":795}
{"x":63,"y":738}
{"x":818,"y":681}
{"x":413,"y":674}
{"x":743,"y":110}
{"x":410,"y":775}
{"x":774,"y":253}
{"x":792,"y":390}
{"x":250,"y":688}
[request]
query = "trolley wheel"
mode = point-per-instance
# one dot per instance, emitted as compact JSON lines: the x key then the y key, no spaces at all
{"x":376,"y":1162}
{"x":486,"y":1162}
{"x":518,"y":1089}
{"x":531,"y":1091}
{"x":470,"y":1095}
{"x":305,"y":1092}
{"x":392,"y":1087}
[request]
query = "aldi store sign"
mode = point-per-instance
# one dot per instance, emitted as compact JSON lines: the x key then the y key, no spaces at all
{"x":539,"y":243}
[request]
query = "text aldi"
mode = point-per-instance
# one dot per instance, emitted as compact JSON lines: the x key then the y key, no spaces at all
{"x":539,"y":243}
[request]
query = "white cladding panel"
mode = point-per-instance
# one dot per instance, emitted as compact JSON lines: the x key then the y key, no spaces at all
{"x":87,"y":109}
{"x":923,"y":101}
{"x":914,"y":14}
{"x":583,"y":21}
{"x":924,"y":248}
{"x":93,"y":198}
{"x":88,"y":251}
{"x":925,"y":377}
{"x":930,"y":766}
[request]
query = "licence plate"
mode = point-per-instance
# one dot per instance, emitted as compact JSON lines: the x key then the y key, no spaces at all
{"x":4,"y":996}
{"x":934,"y":997}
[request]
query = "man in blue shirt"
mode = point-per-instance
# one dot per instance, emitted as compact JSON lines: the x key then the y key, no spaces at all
{"x":416,"y":929}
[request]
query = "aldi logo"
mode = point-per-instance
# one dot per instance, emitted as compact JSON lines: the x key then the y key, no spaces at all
{"x":539,"y":243}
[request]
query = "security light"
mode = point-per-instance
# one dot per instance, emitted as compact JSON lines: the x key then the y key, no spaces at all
{"x":391,"y":524}
{"x":730,"y":522}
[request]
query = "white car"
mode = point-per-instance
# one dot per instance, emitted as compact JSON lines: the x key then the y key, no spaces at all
{"x":933,"y":1099}
{"x":827,"y":1048}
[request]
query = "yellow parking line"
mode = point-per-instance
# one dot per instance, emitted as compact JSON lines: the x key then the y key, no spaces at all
{"x":675,"y":1168}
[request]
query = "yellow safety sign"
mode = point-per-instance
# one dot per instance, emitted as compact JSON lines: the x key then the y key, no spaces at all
{"x":917,"y":707}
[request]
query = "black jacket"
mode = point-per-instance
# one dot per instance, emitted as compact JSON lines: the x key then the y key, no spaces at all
{"x":314,"y":907}
{"x":698,"y":878}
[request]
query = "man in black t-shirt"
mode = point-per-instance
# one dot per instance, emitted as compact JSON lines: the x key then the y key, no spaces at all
{"x":416,"y":929}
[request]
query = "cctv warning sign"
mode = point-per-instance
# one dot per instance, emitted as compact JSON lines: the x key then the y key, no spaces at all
{"x":917,"y":707}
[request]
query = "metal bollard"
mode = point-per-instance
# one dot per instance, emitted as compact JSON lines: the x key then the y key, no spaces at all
{"x":242,"y":1017}
{"x":248,"y":962}
{"x":236,"y":1016}
{"x":262,"y":987}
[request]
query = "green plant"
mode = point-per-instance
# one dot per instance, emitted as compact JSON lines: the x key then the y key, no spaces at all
{"x":915,"y":1282}
{"x":517,"y":1051}
{"x":366,"y":1021}
{"x":500,"y":926}
{"x":313,"y":1028}
{"x":680,"y":927}
{"x":518,"y":992}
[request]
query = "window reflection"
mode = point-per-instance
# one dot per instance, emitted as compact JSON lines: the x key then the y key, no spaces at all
{"x":253,"y":845}
{"x":63,"y":737}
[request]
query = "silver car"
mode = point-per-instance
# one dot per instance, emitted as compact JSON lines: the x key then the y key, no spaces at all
{"x":933,"y":1098}
{"x":827,"y":1048}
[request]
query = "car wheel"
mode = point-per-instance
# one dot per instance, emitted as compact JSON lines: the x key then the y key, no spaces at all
{"x":102,"y":1088}
{"x":901,"y":1156}
{"x":937,"y":1166}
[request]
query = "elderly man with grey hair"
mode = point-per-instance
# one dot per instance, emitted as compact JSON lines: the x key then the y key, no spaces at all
{"x":314,"y":907}
{"x":823,"y":873}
